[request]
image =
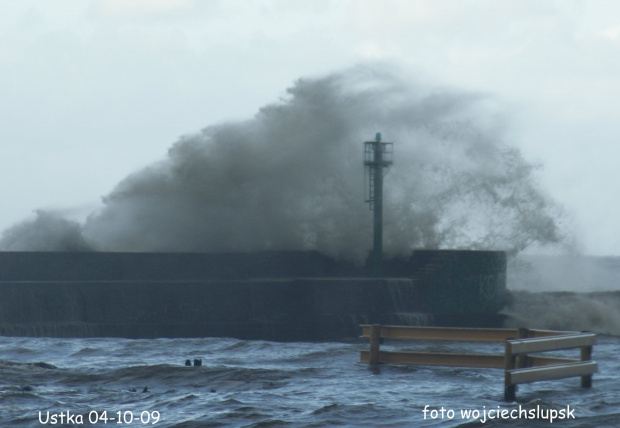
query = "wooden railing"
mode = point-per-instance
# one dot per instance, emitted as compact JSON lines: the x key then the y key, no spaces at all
{"x":519,"y":366}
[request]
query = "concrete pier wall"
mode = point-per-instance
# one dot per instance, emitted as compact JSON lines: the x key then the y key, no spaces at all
{"x":287,"y":309}
{"x":271,"y":296}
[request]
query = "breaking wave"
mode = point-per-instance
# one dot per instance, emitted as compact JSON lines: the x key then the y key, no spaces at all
{"x":291,"y":178}
{"x":597,"y":312}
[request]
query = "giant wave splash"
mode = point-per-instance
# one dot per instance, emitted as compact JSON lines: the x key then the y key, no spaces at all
{"x":291,"y":178}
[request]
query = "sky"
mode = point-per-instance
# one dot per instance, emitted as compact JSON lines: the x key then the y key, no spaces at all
{"x":91,"y":91}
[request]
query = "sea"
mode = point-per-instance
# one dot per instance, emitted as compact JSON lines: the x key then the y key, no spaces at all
{"x":239,"y":383}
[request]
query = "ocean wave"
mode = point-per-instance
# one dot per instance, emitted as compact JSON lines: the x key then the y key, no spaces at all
{"x":598,"y":312}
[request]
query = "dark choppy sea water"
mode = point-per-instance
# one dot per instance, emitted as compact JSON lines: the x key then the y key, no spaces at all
{"x":265,"y":384}
{"x":257,"y":383}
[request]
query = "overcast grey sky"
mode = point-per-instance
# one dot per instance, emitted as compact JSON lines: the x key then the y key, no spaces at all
{"x":91,"y":91}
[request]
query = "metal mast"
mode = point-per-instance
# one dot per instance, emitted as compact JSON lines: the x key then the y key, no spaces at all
{"x":377,"y":159}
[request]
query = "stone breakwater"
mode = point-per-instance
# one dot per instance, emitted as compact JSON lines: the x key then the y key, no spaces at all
{"x":283,"y":296}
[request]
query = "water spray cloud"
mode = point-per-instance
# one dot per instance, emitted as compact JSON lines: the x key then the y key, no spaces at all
{"x":291,"y":178}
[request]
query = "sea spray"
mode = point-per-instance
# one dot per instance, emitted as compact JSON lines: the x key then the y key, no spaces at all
{"x":291,"y":178}
{"x":564,"y":292}
{"x":563,"y":272}
{"x":570,"y":311}
{"x":47,"y":232}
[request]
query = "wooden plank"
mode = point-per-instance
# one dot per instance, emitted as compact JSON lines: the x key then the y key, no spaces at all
{"x":535,"y":361}
{"x":524,"y":346}
{"x":550,"y":372}
{"x":437,"y":359}
{"x":532,"y":361}
{"x":444,"y":333}
{"x":547,"y":333}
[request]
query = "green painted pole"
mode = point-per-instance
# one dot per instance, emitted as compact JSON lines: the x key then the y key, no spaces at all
{"x":378,"y":209}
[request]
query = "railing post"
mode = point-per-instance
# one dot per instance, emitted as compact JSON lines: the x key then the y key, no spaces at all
{"x":523,"y":332}
{"x":375,"y":336}
{"x":586,"y":355}
{"x":522,"y":361}
{"x":510,"y":364}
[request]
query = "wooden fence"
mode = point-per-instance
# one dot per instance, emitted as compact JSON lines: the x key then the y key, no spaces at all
{"x":519,"y":366}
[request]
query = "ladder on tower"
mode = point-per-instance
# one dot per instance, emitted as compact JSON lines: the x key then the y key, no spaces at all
{"x":370,"y":189}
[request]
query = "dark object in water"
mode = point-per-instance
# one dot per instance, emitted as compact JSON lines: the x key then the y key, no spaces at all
{"x":197,"y":362}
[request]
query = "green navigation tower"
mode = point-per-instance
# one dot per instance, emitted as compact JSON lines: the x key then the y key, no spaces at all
{"x":377,"y":159}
